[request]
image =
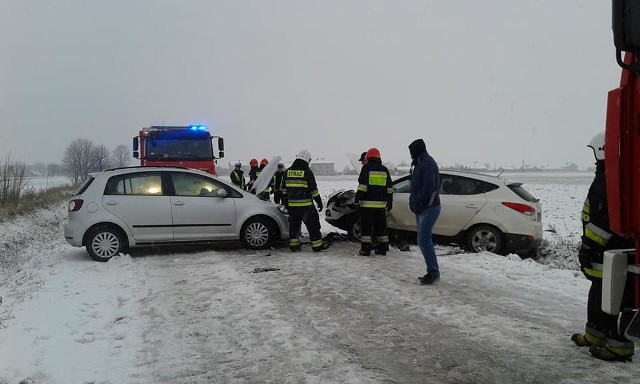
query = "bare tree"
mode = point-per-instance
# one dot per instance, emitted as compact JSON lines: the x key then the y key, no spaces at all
{"x":100,"y":158}
{"x":12,"y":182}
{"x":77,"y":159}
{"x":121,"y":156}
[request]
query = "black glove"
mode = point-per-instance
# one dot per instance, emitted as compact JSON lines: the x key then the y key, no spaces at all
{"x":389,"y":205}
{"x":320,"y":207}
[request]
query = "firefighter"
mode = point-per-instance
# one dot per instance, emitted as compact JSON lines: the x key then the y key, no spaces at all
{"x":601,"y":333}
{"x":264,"y":195}
{"x":237,"y":176}
{"x":277,"y":183}
{"x":299,"y":192}
{"x":374,"y":195}
{"x":253,"y":173}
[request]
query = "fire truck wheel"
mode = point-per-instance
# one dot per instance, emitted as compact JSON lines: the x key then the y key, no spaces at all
{"x":103,"y":243}
{"x":257,"y":233}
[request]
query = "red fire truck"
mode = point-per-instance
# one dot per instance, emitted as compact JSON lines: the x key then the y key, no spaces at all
{"x":190,"y":146}
{"x":622,"y":167}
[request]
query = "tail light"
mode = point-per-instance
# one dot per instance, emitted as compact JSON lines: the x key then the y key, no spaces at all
{"x":75,"y":205}
{"x":522,"y":208}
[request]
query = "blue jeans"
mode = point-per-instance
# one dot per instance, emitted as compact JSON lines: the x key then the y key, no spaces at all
{"x":425,"y":222}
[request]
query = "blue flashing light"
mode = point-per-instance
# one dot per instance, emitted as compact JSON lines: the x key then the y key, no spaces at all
{"x":198,"y":127}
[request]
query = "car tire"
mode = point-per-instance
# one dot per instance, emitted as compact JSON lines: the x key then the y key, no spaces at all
{"x":353,"y":226}
{"x":258,"y":233}
{"x":104,"y":242}
{"x":485,"y":238}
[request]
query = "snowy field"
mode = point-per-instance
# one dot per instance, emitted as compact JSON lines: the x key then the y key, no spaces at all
{"x":44,"y":183}
{"x":201,"y":315}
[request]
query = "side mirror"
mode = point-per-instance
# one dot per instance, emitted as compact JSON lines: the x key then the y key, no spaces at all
{"x":220,"y":154}
{"x":222,"y":192}
{"x":221,"y":145}
{"x":136,"y":154}
{"x":626,"y":29}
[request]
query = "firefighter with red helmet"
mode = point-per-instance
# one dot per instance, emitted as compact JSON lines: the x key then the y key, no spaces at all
{"x":601,"y":333}
{"x":253,"y":173}
{"x":299,"y":192}
{"x":375,"y":197}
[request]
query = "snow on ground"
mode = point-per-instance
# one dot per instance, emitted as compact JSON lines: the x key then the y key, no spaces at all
{"x":201,"y":315}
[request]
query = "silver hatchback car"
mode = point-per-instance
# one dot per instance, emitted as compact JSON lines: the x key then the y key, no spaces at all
{"x":144,"y":206}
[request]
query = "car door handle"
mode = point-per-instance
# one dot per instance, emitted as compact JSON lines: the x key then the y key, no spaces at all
{"x":471,"y":206}
{"x":111,"y":203}
{"x":178,"y":203}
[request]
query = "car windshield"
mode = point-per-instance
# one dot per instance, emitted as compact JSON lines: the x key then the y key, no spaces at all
{"x":159,"y":149}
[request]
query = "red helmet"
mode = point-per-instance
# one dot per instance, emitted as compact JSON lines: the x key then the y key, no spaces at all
{"x":264,"y":162}
{"x":373,"y":153}
{"x":253,"y":163}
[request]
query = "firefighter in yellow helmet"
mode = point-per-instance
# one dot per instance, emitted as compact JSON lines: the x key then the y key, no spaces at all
{"x":375,"y":197}
{"x":601,"y":333}
{"x":299,"y":192}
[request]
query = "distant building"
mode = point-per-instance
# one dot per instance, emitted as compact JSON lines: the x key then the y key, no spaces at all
{"x":322,"y":168}
{"x":572,"y":167}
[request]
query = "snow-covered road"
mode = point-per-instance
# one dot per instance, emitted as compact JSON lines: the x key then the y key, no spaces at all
{"x":202,"y":316}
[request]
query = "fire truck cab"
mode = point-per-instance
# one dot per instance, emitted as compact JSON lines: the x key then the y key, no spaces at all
{"x":189,"y":146}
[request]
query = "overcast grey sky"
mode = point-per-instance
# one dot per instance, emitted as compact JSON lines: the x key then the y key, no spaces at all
{"x":495,"y":81}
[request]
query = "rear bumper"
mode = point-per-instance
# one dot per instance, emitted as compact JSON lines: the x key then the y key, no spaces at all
{"x":516,"y":242}
{"x":72,"y":235}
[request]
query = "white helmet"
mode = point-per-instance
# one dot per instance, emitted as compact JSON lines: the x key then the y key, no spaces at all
{"x":597,"y":144}
{"x":304,"y":155}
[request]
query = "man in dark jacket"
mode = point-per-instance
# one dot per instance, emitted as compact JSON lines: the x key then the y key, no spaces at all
{"x":424,"y":201}
{"x":299,"y":192}
{"x":374,"y":195}
{"x":601,"y":331}
{"x":237,"y":176}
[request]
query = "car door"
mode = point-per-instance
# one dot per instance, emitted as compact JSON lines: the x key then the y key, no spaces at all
{"x":199,"y":212}
{"x":138,"y":199}
{"x":400,"y":217}
{"x":461,"y":198}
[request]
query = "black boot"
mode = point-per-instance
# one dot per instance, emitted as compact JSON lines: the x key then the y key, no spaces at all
{"x":365,"y":249}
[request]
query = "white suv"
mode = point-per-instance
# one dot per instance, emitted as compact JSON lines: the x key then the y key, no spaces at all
{"x":486,"y":213}
{"x":143,"y":206}
{"x":482,"y":212}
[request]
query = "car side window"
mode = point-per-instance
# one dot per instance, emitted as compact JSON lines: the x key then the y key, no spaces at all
{"x":446,"y":184}
{"x":147,"y":184}
{"x":403,"y":186}
{"x":460,"y":185}
{"x":187,"y":184}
